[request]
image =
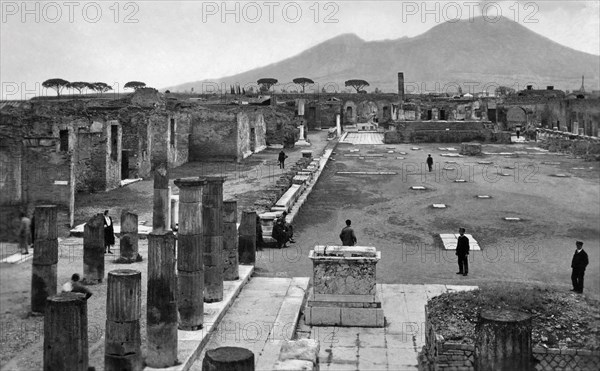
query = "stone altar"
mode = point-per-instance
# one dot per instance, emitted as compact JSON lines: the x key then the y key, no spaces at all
{"x":344,"y":290}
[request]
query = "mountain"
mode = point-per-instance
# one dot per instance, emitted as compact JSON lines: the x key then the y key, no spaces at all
{"x":470,"y":53}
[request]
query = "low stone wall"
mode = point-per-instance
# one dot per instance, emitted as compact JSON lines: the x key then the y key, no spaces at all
{"x":443,"y":132}
{"x":578,"y":145}
{"x":441,"y":354}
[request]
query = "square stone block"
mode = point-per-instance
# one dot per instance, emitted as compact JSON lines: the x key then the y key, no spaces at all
{"x":362,"y":317}
{"x":323,"y":316}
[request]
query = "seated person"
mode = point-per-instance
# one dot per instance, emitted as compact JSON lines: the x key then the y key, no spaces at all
{"x":279,"y":233}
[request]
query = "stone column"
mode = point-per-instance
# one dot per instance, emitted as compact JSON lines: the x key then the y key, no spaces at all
{"x":128,"y":243}
{"x":45,"y":257}
{"x":212,"y":228}
{"x":160,"y":211}
{"x":338,"y":125}
{"x":247,"y":238}
{"x":93,"y":250}
{"x":230,"y":241}
{"x":302,"y":132}
{"x":190,"y":251}
{"x":174,"y":212}
{"x":503,"y":340}
{"x":228,"y":358}
{"x":161,"y":305}
{"x":122,"y":349}
{"x":66,"y":332}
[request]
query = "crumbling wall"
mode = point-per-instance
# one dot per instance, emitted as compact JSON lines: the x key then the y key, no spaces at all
{"x":443,"y":132}
{"x":213,"y":135}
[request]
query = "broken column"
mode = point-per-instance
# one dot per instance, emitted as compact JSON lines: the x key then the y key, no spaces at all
{"x":66,"y":332}
{"x":45,"y":257}
{"x":302,"y":140}
{"x":338,"y":125}
{"x":160,"y":170}
{"x":247,"y":238}
{"x":401,"y":86}
{"x":190,"y":251}
{"x":230,"y":241}
{"x":212,"y":228}
{"x":122,"y":349}
{"x":161,"y":305}
{"x":128,"y":242}
{"x":93,"y":250}
{"x":503,"y":340}
{"x":228,"y":358}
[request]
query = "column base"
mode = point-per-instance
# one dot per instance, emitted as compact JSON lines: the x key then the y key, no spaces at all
{"x":302,"y":143}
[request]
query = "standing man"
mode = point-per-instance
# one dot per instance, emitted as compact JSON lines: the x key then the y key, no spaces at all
{"x":429,"y":162}
{"x":24,"y":234}
{"x":109,"y":233}
{"x":281,"y":159}
{"x":462,"y":251}
{"x":579,"y":262}
{"x":347,"y":235}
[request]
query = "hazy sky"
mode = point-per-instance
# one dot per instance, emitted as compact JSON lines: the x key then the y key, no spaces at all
{"x":165,"y":43}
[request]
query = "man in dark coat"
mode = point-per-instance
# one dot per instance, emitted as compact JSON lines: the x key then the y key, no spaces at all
{"x":281,"y":159}
{"x":462,"y":251}
{"x":347,"y":235}
{"x":109,"y":233}
{"x":279,"y":233}
{"x":429,"y":162}
{"x":579,"y":262}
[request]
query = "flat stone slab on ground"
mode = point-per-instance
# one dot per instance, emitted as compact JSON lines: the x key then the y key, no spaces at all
{"x":439,"y":206}
{"x":451,"y":149}
{"x":450,"y":155}
{"x":418,"y":188}
{"x":355,"y":150}
{"x":351,"y":155}
{"x":18,"y":258}
{"x":512,"y":219}
{"x":374,"y":155}
{"x":561,"y":175}
{"x":503,"y":174}
{"x":415,"y":148}
{"x":484,"y":196}
{"x":442,"y":148}
{"x":451,"y":239}
{"x":402,"y":153}
{"x":578,"y":168}
{"x":367,"y":173}
{"x":390,"y":151}
{"x":400,"y":158}
{"x":460,"y":181}
{"x":485,"y":162}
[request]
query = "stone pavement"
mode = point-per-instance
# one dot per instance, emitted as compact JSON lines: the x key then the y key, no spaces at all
{"x":264,"y":314}
{"x":362,"y":138}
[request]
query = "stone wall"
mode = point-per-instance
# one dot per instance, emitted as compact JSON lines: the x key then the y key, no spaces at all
{"x":443,"y":132}
{"x":440,"y":354}
{"x":214,"y":135}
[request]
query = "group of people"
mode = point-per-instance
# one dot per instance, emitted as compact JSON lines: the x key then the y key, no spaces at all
{"x":283,"y":232}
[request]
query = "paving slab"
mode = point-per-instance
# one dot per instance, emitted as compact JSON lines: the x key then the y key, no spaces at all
{"x":451,"y":239}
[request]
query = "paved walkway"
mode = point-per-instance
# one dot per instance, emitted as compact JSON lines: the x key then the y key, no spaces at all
{"x":362,"y":138}
{"x":266,"y":311}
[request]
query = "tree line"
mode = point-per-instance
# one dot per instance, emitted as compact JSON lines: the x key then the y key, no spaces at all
{"x":268,"y":82}
{"x":100,"y":87}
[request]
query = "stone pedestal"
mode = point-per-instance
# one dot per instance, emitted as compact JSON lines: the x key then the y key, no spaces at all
{"x":344,"y":290}
{"x":470,"y":149}
{"x":338,"y":125}
{"x":230,"y":241}
{"x":302,"y":140}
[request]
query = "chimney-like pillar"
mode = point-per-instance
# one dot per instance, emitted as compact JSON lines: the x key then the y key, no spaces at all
{"x":401,"y":86}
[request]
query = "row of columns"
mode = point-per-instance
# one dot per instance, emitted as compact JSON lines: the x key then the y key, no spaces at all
{"x":209,"y":251}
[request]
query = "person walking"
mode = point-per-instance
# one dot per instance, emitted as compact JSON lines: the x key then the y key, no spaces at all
{"x":24,"y":234}
{"x":462,"y":251}
{"x":281,"y":159}
{"x":578,"y":264}
{"x":429,"y":162}
{"x":347,"y":235}
{"x":109,"y":233}
{"x":75,"y":286}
